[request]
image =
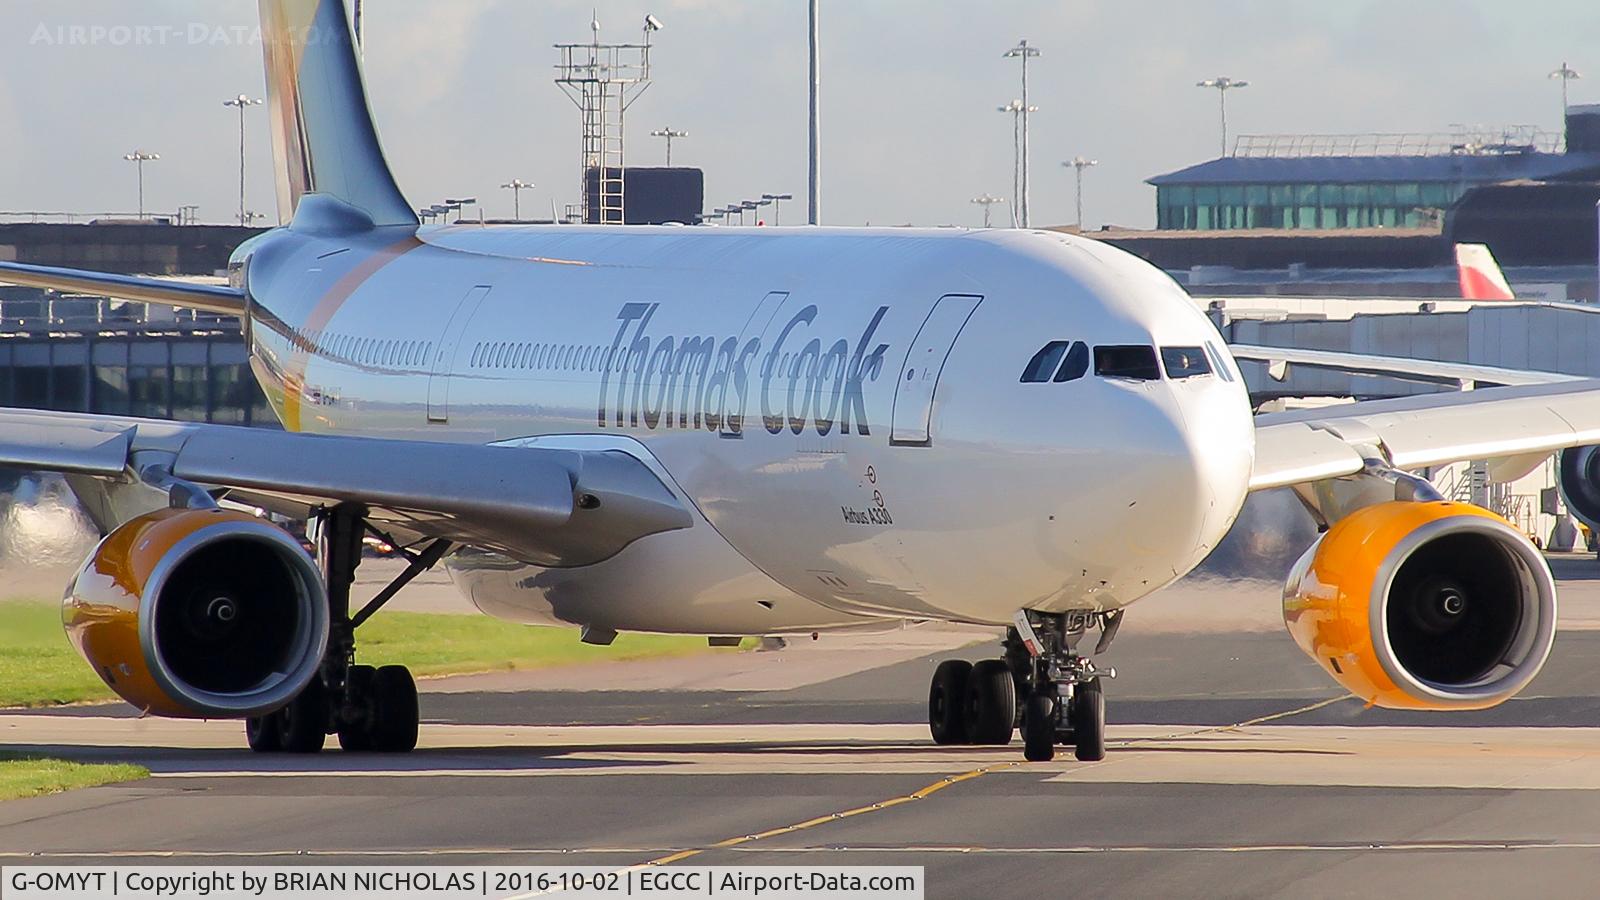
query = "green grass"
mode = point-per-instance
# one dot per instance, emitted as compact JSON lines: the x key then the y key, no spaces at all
{"x":434,"y":644}
{"x":29,"y":777}
{"x":38,"y":666}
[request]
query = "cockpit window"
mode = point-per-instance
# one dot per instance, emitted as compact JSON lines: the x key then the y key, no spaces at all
{"x":1044,"y":363}
{"x":1126,"y":362}
{"x":1185,"y":362}
{"x":1220,"y":363}
{"x":1076,"y":365}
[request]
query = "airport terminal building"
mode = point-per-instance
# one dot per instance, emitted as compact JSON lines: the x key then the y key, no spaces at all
{"x":78,"y":353}
{"x":1322,"y":182}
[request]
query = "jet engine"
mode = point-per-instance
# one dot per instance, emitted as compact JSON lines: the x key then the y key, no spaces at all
{"x":1424,"y":605}
{"x":1579,"y":478}
{"x":200,"y":613}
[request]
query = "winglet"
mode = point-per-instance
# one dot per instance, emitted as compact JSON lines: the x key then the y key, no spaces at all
{"x":1481,"y":278}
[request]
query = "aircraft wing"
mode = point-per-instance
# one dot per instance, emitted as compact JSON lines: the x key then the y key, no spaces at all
{"x":1527,"y":422}
{"x":209,"y":298}
{"x":540,"y":505}
{"x":1421,"y":370}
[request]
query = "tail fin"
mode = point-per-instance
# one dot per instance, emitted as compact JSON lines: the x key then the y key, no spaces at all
{"x":1481,"y":278}
{"x":323,"y":137}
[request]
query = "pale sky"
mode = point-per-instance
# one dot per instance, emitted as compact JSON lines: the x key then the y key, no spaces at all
{"x":464,"y":98}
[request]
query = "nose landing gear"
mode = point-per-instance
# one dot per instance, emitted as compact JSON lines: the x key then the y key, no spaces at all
{"x":1059,"y":689}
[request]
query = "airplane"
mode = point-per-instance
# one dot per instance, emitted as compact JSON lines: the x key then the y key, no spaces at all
{"x":1480,"y":275}
{"x":745,"y":431}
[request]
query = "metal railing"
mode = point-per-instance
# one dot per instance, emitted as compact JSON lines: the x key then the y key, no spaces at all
{"x":1466,"y":140}
{"x":46,"y":217}
{"x":74,"y":312}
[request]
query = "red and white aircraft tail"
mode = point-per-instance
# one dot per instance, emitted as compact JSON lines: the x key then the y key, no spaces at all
{"x":1481,"y":278}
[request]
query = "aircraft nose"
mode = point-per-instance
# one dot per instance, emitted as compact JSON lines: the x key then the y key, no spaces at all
{"x":1219,"y":441}
{"x":1185,"y":468}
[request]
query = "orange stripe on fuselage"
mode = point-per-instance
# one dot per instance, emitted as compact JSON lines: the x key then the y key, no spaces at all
{"x":294,"y":373}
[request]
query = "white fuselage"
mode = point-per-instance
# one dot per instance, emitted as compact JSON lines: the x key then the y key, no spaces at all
{"x":842,"y":409}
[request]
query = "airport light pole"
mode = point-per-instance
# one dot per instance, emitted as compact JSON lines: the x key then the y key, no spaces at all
{"x":1024,"y":52}
{"x":516,"y":186}
{"x":459,"y":206}
{"x":1567,"y":74}
{"x":987,"y":201}
{"x":670,"y":136}
{"x":776,"y":199}
{"x":1223,"y":84}
{"x":1015,"y":108}
{"x":1079,"y":163}
{"x":242,"y":103}
{"x":139,"y":158}
{"x":814,"y":163}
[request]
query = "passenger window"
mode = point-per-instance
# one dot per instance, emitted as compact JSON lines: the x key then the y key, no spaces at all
{"x":1045,"y":362}
{"x":1076,"y":365}
{"x":1185,"y":362}
{"x":1126,"y":362}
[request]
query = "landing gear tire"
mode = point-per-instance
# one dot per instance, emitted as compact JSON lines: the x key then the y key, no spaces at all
{"x":946,"y":700}
{"x":355,"y":736}
{"x":991,"y":703}
{"x":396,"y":723}
{"x":1039,"y":728}
{"x":262,"y":733}
{"x":303,"y":724}
{"x":1088,"y":716}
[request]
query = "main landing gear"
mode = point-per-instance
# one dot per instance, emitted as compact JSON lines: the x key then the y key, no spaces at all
{"x":370,"y":709}
{"x":1042,"y":686}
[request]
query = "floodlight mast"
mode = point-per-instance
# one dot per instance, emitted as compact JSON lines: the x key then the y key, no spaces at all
{"x":1223,"y":84}
{"x":516,"y":186}
{"x":775,"y":200}
{"x":1079,"y":163}
{"x":139,"y":158}
{"x":814,"y":180}
{"x":1567,"y":74}
{"x":242,"y":103}
{"x":987,"y":201}
{"x":670,"y":135}
{"x":1024,"y":52}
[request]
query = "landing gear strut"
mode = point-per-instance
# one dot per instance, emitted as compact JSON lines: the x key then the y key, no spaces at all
{"x":370,"y":709}
{"x":1058,"y":689}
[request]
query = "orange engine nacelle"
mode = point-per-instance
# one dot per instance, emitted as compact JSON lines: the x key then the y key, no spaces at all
{"x":200,"y":613}
{"x":1431,"y":605}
